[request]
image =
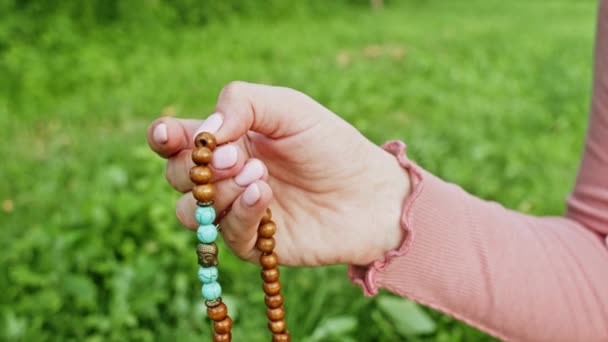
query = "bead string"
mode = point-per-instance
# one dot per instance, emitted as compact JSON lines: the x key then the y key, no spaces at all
{"x":207,"y":251}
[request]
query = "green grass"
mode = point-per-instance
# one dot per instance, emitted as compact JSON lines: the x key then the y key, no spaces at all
{"x":490,"y":95}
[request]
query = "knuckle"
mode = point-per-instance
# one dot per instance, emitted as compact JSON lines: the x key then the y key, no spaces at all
{"x":233,"y":89}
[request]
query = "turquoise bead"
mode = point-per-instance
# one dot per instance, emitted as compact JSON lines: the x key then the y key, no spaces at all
{"x":207,"y":233}
{"x":207,"y":274}
{"x":212,"y":291}
{"x":205,"y":215}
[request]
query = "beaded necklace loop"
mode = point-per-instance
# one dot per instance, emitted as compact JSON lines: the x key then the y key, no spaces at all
{"x":207,"y":251}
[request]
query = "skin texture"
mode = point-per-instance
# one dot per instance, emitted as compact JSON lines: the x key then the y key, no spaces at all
{"x":335,"y":196}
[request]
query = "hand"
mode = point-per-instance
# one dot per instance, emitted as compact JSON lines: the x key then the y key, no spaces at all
{"x":335,"y":196}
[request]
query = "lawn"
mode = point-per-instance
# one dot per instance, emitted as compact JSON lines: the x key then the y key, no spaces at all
{"x":492,"y":95}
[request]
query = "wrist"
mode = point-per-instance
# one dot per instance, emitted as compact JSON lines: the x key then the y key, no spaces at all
{"x":391,"y":189}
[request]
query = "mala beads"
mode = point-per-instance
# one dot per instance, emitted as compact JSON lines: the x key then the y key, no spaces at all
{"x":207,"y":251}
{"x":270,"y":274}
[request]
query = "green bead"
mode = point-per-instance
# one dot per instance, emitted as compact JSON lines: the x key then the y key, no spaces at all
{"x":204,"y":215}
{"x":208,"y":274}
{"x":211,"y":291}
{"x":206,"y":233}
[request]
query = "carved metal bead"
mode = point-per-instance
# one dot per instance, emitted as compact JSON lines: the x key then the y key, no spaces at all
{"x":212,"y":303}
{"x":207,"y":254}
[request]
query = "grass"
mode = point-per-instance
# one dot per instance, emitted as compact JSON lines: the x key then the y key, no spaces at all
{"x":490,"y":95}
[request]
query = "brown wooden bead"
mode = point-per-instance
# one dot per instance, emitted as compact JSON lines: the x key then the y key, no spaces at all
{"x":270,"y":275}
{"x":207,"y":254}
{"x":284,"y":337}
{"x":277,"y":327}
{"x":201,"y":155}
{"x":203,"y":192}
{"x":265,"y":245}
{"x":218,"y":312}
{"x":269,"y":261}
{"x":205,"y":139}
{"x":267,"y":230}
{"x":223,"y":326}
{"x":222,"y":337}
{"x":200,"y":175}
{"x":267,"y":216}
{"x":273,"y":302}
{"x":276,"y":314}
{"x":272,"y":289}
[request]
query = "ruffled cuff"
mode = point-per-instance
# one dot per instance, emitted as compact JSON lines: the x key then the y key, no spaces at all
{"x":366,"y":275}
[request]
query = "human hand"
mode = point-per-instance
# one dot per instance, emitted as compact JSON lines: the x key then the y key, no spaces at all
{"x":335,"y":196}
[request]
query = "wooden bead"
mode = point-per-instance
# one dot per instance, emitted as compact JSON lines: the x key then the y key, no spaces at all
{"x":267,"y":230}
{"x":266,"y":245}
{"x":203,"y":192}
{"x":273,"y":302}
{"x":269,"y":261}
{"x":267,"y":216}
{"x":205,"y":139}
{"x":222,"y":337}
{"x":218,"y":312}
{"x":284,"y":337}
{"x":270,"y":275}
{"x":201,"y":155}
{"x":223,"y":326}
{"x":276,"y":314}
{"x":277,"y":327}
{"x":200,"y":175}
{"x":207,"y":254}
{"x":272,"y":289}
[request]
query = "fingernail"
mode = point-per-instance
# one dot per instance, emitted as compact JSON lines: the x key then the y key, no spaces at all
{"x":224,"y":157}
{"x":160,"y":133}
{"x":212,"y":124}
{"x":251,"y":195}
{"x":252,"y":171}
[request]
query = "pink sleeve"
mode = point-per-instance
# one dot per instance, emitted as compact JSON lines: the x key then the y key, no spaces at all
{"x":514,"y":276}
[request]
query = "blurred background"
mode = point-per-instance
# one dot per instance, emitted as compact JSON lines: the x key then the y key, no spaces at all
{"x":492,"y":95}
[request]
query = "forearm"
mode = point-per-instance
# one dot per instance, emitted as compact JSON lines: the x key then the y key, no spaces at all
{"x":515,"y":276}
{"x":589,"y":201}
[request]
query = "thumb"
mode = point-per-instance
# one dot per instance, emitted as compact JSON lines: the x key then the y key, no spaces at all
{"x":275,"y":112}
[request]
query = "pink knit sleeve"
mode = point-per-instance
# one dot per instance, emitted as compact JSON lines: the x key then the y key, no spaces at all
{"x":515,"y":276}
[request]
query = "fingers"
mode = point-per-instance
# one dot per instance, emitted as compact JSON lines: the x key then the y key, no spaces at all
{"x":226,"y":192}
{"x":272,"y":111}
{"x":239,"y":227}
{"x":228,"y":160}
{"x":168,"y":136}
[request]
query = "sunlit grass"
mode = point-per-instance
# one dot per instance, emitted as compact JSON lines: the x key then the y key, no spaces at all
{"x":491,"y":95}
